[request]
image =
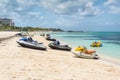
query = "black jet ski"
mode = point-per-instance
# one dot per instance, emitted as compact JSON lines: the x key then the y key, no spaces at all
{"x":50,"y":39}
{"x":59,"y":47}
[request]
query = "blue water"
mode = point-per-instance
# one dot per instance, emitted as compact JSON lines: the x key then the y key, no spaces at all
{"x":110,"y":41}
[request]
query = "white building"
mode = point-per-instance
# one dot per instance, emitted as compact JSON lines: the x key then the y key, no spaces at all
{"x":6,"y":21}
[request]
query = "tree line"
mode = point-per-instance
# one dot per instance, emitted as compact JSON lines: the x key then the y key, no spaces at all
{"x":28,"y":28}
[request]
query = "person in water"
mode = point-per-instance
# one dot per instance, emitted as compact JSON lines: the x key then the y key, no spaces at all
{"x":95,"y":43}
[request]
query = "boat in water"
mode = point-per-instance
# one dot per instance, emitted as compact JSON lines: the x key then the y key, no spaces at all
{"x":59,"y":47}
{"x":96,"y":44}
{"x":32,"y":44}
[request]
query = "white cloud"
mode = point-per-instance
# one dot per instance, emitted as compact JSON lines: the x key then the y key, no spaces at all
{"x":27,"y":11}
{"x":113,"y":6}
{"x":90,"y":10}
{"x":24,"y":5}
{"x":112,"y":2}
{"x":71,"y":7}
{"x":115,"y":10}
{"x":34,"y":13}
{"x":109,"y":23}
{"x":26,"y":2}
{"x":17,"y":19}
{"x":3,"y":1}
{"x":2,"y":4}
{"x":19,"y":9}
{"x":60,"y":7}
{"x":15,"y":16}
{"x":68,"y":21}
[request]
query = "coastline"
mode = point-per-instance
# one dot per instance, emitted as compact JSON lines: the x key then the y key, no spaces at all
{"x":20,"y":63}
{"x":110,"y":60}
{"x":7,"y":35}
{"x":105,"y":59}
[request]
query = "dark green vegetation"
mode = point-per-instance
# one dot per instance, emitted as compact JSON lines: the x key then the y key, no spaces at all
{"x":15,"y":28}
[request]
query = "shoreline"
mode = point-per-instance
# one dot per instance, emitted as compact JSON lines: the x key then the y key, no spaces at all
{"x":2,"y":39}
{"x":110,"y":60}
{"x":104,"y":58}
{"x":30,"y":64}
{"x":107,"y":59}
{"x":4,"y":35}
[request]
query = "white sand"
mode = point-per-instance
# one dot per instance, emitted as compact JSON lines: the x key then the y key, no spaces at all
{"x":4,"y":34}
{"x":18,"y":63}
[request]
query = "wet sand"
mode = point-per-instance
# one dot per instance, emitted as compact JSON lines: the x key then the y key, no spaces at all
{"x":19,"y":63}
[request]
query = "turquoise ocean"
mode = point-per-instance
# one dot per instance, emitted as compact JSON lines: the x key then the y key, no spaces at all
{"x":110,"y":41}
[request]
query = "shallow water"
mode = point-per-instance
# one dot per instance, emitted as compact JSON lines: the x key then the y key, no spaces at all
{"x":110,"y":41}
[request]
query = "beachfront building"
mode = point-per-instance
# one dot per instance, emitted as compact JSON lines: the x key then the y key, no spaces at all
{"x":6,"y":21}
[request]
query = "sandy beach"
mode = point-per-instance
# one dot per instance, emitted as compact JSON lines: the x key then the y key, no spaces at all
{"x":19,"y":63}
{"x":7,"y":34}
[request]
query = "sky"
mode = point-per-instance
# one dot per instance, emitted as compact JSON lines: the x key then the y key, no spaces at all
{"x":79,"y":15}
